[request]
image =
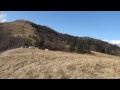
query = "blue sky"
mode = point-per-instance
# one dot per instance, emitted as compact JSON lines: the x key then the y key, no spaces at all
{"x":104,"y":25}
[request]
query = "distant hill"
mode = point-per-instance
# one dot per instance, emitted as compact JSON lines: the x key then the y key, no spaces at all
{"x":21,"y":32}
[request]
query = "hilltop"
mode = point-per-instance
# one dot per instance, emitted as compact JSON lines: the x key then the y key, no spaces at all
{"x":22,"y":32}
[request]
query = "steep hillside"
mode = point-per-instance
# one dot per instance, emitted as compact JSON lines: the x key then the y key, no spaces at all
{"x":22,"y":32}
{"x":19,"y":27}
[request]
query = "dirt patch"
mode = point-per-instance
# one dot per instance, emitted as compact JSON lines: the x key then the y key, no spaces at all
{"x":5,"y":53}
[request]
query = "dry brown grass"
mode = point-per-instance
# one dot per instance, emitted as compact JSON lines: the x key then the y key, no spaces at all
{"x":16,"y":28}
{"x":40,"y":64}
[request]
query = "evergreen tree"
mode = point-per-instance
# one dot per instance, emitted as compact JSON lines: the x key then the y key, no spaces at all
{"x":72,"y":45}
{"x":40,"y":43}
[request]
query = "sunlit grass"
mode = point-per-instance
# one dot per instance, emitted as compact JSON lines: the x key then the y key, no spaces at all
{"x":41,"y":64}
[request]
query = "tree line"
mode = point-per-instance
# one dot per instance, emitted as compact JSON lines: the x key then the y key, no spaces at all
{"x":77,"y":44}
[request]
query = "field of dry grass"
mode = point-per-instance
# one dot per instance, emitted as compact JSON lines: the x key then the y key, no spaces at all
{"x":41,"y":64}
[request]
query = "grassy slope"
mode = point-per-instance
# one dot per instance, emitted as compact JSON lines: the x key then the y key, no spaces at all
{"x":20,"y":28}
{"x":35,"y":63}
{"x":16,"y":28}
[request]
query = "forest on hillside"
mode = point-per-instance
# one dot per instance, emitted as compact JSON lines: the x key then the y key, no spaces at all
{"x":46,"y":37}
{"x":9,"y":42}
{"x":77,"y":44}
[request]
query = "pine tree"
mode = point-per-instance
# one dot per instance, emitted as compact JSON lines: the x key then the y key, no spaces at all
{"x":72,"y":45}
{"x":40,"y":43}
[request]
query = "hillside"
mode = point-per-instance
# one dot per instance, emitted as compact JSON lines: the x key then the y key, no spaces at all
{"x":41,"y":64}
{"x":24,"y":33}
